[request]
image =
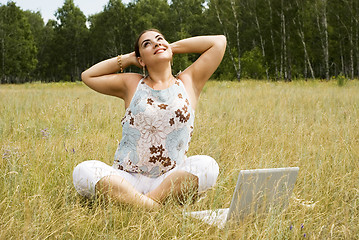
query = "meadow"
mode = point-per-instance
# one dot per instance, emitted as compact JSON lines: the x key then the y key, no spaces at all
{"x":47,"y":129}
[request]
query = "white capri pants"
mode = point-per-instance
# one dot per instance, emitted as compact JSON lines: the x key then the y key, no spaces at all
{"x":88,"y":173}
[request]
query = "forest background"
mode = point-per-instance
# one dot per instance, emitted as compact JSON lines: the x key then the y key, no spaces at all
{"x":267,"y":39}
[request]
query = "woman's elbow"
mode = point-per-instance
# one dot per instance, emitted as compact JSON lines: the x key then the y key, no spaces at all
{"x":222,"y":40}
{"x":85,"y":76}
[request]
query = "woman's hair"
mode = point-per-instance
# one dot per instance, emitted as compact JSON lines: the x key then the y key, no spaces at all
{"x":137,"y":45}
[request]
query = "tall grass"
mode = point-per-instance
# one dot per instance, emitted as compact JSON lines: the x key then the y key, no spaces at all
{"x":47,"y":129}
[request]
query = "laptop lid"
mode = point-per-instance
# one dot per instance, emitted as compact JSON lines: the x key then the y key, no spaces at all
{"x":259,"y":190}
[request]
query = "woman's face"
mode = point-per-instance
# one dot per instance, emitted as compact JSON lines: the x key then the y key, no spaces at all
{"x":153,"y":47}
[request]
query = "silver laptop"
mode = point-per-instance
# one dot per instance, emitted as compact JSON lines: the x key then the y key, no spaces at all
{"x":257,"y":191}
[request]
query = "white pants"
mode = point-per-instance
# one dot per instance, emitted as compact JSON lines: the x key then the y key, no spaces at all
{"x":88,"y":173}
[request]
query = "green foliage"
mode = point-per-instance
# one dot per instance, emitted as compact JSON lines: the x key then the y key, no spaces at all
{"x":46,"y":69}
{"x":17,"y":45}
{"x":225,"y":71}
{"x":151,"y":14}
{"x":38,"y":31}
{"x":71,"y":36}
{"x":341,"y":80}
{"x":265,"y":38}
{"x":106,"y":30}
{"x":252,"y":64}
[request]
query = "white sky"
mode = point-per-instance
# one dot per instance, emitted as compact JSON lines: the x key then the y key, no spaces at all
{"x":49,"y":7}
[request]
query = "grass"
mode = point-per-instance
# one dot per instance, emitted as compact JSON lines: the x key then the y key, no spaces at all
{"x":47,"y":129}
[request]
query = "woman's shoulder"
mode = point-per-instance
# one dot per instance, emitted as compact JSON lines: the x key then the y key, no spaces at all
{"x":132,"y":76}
{"x":132,"y":79}
{"x":187,"y":81}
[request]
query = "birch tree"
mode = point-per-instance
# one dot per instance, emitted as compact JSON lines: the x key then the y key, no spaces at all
{"x":226,"y":9}
{"x":322,"y":23}
{"x":272,"y":39}
{"x":283,"y":59}
{"x":252,"y":7}
{"x":300,"y":22}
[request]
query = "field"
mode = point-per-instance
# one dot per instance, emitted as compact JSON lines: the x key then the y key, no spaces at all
{"x":47,"y":129}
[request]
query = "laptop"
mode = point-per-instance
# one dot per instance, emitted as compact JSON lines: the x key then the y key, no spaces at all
{"x":257,"y":191}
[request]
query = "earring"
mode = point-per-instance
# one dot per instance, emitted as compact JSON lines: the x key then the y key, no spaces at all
{"x":144,"y":71}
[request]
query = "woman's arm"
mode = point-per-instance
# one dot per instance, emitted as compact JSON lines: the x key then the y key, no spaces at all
{"x":212,"y":49}
{"x":103,"y":77}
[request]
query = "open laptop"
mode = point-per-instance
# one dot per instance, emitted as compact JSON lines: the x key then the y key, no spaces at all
{"x":257,"y":191}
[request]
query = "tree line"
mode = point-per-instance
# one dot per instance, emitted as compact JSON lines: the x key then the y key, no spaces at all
{"x":266,"y":39}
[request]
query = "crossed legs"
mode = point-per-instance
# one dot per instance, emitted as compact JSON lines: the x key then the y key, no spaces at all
{"x":197,"y":174}
{"x":178,"y":184}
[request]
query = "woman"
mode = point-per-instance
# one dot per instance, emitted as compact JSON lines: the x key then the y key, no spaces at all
{"x":150,"y":162}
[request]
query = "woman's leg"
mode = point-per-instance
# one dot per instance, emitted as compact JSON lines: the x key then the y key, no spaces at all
{"x":178,"y":184}
{"x":91,"y":176}
{"x":116,"y":188}
{"x":196,"y":174}
{"x":205,"y":168}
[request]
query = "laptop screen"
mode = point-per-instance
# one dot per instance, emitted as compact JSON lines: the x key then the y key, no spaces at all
{"x":260,"y":190}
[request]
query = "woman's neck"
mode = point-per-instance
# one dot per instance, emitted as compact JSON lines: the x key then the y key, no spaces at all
{"x":160,"y":77}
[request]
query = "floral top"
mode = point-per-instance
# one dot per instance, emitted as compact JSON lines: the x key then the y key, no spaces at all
{"x":156,"y":130}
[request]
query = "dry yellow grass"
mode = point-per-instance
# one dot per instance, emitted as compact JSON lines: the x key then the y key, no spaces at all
{"x":46,"y":129}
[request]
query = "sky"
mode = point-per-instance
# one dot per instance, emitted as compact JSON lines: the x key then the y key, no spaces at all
{"x":49,"y":7}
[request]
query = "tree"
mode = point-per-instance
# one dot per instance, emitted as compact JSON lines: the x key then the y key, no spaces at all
{"x":322,"y":23}
{"x":186,"y":20}
{"x":252,"y":64}
{"x":17,"y":45}
{"x":285,"y":39}
{"x":151,"y":14}
{"x":47,"y":68}
{"x":71,"y":41}
{"x":109,"y":31}
{"x":225,"y":13}
{"x":272,"y":41}
{"x":301,"y":21}
{"x":40,"y":36}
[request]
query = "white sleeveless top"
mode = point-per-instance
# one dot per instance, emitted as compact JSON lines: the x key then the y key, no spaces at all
{"x":156,"y":130}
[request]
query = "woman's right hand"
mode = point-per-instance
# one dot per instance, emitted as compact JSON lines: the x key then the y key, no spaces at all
{"x":132,"y":59}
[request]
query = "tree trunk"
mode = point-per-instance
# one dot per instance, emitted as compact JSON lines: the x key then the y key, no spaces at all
{"x":3,"y":59}
{"x":342,"y":59}
{"x":272,"y":39}
{"x":300,"y":31}
{"x":289,"y":63}
{"x":306,"y":56}
{"x":229,"y":45}
{"x":351,"y":43}
{"x":323,"y":29}
{"x":356,"y":19}
{"x":351,"y":53}
{"x":284,"y":44}
{"x":262,"y":42}
{"x":357,"y":46}
{"x":238,"y":42}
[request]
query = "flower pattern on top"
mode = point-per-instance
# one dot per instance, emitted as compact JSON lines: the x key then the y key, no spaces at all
{"x":128,"y":145}
{"x":152,"y":127}
{"x":177,"y":143}
{"x":137,"y":104}
{"x":156,"y":130}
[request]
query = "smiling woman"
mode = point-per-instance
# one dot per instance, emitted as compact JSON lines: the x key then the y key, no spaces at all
{"x":150,"y":163}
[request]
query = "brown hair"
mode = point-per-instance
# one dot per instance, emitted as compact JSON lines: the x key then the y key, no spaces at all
{"x":137,"y":45}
